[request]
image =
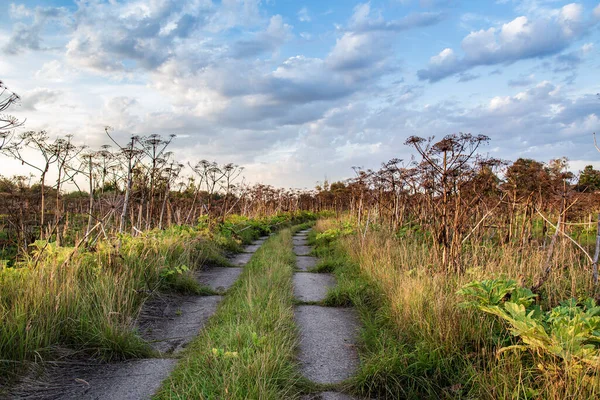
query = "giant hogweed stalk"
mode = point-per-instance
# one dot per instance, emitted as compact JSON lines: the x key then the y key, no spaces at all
{"x":569,"y":332}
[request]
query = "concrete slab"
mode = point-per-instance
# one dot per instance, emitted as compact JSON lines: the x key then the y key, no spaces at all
{"x":327,"y":351}
{"x":312,"y":287}
{"x":219,"y":278}
{"x":170,"y":325}
{"x":298,"y":241}
{"x":170,"y":321}
{"x":302,"y":250}
{"x":131,"y":380}
{"x":304,"y":263}
{"x":240,"y":259}
{"x":252,"y":248}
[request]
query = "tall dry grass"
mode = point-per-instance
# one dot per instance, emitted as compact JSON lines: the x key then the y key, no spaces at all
{"x":429,"y":321}
{"x":88,"y":300}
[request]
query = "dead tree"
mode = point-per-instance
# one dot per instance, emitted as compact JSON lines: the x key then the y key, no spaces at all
{"x":154,"y":148}
{"x":447,"y":166}
{"x":129,"y":154}
{"x":40,"y":143}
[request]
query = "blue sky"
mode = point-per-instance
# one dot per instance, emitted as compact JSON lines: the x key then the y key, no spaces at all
{"x":299,"y":91}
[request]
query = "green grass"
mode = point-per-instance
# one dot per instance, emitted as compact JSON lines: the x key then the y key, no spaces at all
{"x":247,"y":350}
{"x":86,"y":301}
{"x":392,"y":365}
{"x":417,"y":342}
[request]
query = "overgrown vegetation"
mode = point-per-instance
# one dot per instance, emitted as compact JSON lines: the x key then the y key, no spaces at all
{"x":420,"y":341}
{"x":247,"y":349}
{"x":474,"y":277}
{"x":564,"y":340}
{"x":418,"y":232}
{"x":88,"y":300}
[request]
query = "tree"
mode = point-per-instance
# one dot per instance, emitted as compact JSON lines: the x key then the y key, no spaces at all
{"x":528,"y":183}
{"x":589,"y":180}
{"x":527,"y":177}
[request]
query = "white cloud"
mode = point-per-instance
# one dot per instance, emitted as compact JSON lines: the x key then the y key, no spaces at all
{"x":276,"y":34}
{"x":365,"y":19}
{"x":235,"y":85}
{"x":518,"y":39}
{"x":358,"y":51}
{"x":37,"y":97}
{"x":55,"y":71}
{"x":19,"y":11}
{"x":441,"y":65}
{"x":27,"y":36}
{"x":303,"y":15}
{"x":367,"y":41}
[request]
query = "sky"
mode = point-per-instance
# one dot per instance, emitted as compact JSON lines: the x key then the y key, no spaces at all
{"x":302,"y":91}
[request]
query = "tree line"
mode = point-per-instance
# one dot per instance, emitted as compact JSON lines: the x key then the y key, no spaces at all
{"x":454,"y":197}
{"x":450,"y":193}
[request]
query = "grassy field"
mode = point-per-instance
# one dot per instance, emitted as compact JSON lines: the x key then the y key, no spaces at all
{"x":87,"y":300}
{"x":418,"y":340}
{"x":420,"y":337}
{"x":247,"y":351}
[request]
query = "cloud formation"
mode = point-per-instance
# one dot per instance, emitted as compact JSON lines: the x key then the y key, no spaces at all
{"x":297,"y":94}
{"x":363,"y":20}
{"x":37,"y":97}
{"x":27,"y":36}
{"x":276,"y":34}
{"x":521,"y":38}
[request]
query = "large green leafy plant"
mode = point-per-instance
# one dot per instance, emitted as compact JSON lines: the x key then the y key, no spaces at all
{"x":569,"y":332}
